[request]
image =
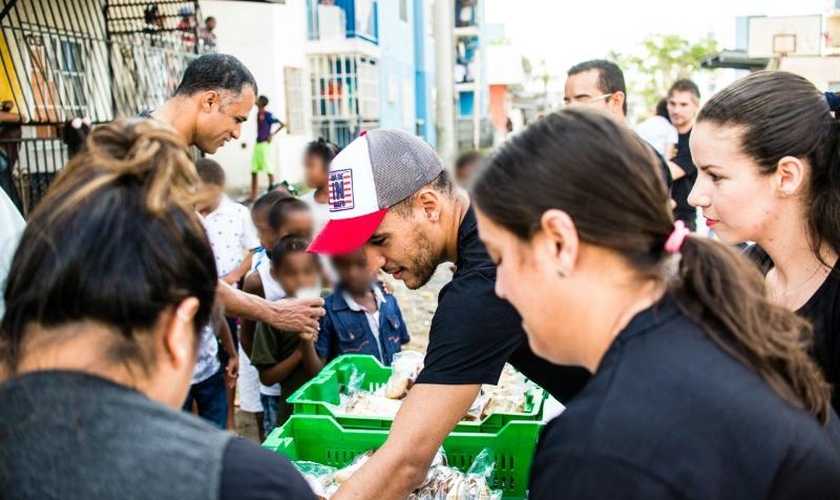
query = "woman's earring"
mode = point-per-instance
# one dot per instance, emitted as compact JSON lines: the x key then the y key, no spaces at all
{"x":182,"y":316}
{"x":563,"y":272}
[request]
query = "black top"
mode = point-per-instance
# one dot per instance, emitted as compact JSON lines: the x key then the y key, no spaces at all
{"x":682,"y":186}
{"x":670,"y":415}
{"x":823,"y":312}
{"x":474,"y":332}
{"x":253,"y":473}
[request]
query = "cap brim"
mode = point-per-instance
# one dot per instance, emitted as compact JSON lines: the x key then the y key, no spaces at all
{"x":342,"y":236}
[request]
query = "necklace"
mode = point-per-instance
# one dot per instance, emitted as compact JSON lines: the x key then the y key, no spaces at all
{"x":777,"y":296}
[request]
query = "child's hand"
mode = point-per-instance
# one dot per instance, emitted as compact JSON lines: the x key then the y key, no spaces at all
{"x":232,"y":371}
{"x":308,"y":337}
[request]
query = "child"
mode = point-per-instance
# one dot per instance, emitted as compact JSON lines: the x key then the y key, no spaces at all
{"x":232,"y":235}
{"x":208,"y":387}
{"x":233,"y":239}
{"x":263,"y":162}
{"x":277,"y":354}
{"x":316,"y":162}
{"x":275,"y":215}
{"x":360,"y":318}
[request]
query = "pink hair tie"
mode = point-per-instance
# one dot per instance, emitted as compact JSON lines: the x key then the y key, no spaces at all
{"x":677,"y":237}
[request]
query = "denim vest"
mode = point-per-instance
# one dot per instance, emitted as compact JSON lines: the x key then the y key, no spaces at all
{"x":345,"y":331}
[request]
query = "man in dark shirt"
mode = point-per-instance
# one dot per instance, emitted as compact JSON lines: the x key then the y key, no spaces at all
{"x":389,"y":192}
{"x":683,"y":106}
{"x":601,"y":83}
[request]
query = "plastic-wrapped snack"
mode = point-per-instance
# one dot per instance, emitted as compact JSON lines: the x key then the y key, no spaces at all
{"x":504,"y":404}
{"x":477,"y":410}
{"x":344,"y":474}
{"x":355,"y":382}
{"x":321,"y":478}
{"x":406,"y":366}
{"x":369,"y":404}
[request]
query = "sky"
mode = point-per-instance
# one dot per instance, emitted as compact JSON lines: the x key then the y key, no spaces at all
{"x":564,"y":32}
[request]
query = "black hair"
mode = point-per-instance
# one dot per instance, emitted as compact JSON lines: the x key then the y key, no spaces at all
{"x":215,"y":72}
{"x":74,"y":137}
{"x":280,"y":210}
{"x":151,"y":13}
{"x":210,"y":171}
{"x":662,"y":109}
{"x":467,"y":159}
{"x":610,"y":76}
{"x":269,"y":199}
{"x":443,"y":184}
{"x":262,"y":100}
{"x":608,"y":181}
{"x":782,"y":114}
{"x":116,"y":241}
{"x":323,"y":149}
{"x":685,"y":85}
{"x":208,"y":19}
{"x":288,"y":245}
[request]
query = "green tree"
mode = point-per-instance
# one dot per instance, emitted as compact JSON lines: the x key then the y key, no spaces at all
{"x":661,"y":60}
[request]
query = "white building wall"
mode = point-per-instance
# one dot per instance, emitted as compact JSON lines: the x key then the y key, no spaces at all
{"x":266,"y":38}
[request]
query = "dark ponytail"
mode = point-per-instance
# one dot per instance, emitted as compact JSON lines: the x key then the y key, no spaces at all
{"x":783,"y":114}
{"x":600,"y":173}
{"x":116,"y":241}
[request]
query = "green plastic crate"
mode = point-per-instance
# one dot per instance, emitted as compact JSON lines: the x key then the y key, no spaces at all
{"x":320,"y":439}
{"x":312,"y":398}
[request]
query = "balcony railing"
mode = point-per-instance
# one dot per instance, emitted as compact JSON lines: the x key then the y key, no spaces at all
{"x":343,"y":19}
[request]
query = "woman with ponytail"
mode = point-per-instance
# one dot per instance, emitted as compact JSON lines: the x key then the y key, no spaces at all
{"x":702,"y":387}
{"x":109,"y":288}
{"x":768,"y":154}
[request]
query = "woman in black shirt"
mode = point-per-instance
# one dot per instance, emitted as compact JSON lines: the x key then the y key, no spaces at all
{"x":107,"y":293}
{"x":768,"y":151}
{"x":702,"y":387}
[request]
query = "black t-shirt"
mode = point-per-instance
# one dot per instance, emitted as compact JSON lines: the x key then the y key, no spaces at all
{"x":671,"y":415}
{"x":823,"y":312}
{"x":682,"y":186}
{"x":253,"y":473}
{"x":474,"y":332}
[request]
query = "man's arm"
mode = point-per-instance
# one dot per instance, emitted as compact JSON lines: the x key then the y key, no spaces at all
{"x":428,"y":415}
{"x":296,"y":315}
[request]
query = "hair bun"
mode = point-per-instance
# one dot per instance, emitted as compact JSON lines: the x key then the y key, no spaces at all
{"x":143,"y":151}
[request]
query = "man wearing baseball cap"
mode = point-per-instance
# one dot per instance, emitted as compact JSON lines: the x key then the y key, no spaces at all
{"x":390,"y":193}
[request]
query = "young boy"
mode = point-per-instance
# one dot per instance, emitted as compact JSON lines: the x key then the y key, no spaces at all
{"x":263,"y":162}
{"x":275,"y":215}
{"x":233,"y":238}
{"x":360,"y":319}
{"x":208,"y":389}
{"x":232,"y":235}
{"x":277,"y":354}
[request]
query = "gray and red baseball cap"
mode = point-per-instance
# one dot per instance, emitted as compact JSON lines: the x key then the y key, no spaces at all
{"x":373,"y":173}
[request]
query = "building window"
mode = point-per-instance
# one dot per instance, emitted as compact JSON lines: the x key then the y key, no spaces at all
{"x":404,"y":11}
{"x":56,"y":71}
{"x":294,"y":100}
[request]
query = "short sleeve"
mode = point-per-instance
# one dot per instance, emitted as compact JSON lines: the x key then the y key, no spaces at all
{"x":265,"y":350}
{"x":253,"y":473}
{"x":249,"y":239}
{"x":473,"y":333}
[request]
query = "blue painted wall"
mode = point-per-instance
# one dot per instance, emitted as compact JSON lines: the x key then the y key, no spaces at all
{"x":424,"y":68}
{"x":397,"y":78}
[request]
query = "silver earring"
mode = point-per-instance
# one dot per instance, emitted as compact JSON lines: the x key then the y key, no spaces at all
{"x":563,"y":272}
{"x":182,"y":316}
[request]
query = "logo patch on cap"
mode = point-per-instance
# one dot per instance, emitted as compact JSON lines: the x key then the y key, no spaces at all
{"x":341,"y":190}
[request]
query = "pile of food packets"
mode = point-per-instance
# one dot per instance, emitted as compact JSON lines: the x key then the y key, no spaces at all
{"x":509,"y":396}
{"x":442,"y":482}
